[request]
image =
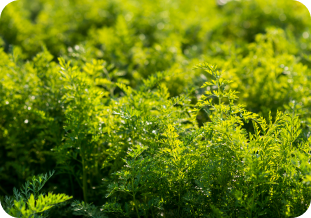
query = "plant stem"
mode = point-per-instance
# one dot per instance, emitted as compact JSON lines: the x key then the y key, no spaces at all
{"x":135,"y":199}
{"x":84,"y":180}
{"x":219,"y":93}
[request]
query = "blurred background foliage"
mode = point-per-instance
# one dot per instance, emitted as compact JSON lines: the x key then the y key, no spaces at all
{"x":262,"y":45}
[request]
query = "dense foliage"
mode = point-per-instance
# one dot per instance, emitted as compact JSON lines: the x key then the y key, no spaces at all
{"x":123,"y":99}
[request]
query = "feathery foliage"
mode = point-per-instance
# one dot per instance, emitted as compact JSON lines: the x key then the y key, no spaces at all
{"x":105,"y":93}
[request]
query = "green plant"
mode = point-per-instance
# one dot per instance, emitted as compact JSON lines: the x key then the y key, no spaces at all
{"x":105,"y":92}
{"x":30,"y":201}
{"x":31,"y":116}
{"x":82,"y":124}
{"x":267,"y":72}
{"x":217,"y":169}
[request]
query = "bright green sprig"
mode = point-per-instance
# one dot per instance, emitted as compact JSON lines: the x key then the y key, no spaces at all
{"x":30,"y":202}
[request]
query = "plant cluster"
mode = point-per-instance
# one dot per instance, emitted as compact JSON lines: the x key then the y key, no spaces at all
{"x":105,"y":93}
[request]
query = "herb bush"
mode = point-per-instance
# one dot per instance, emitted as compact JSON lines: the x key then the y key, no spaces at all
{"x":172,"y":166}
{"x":269,"y":65}
{"x":105,"y":93}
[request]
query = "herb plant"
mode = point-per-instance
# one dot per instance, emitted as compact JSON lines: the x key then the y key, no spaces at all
{"x":30,"y":201}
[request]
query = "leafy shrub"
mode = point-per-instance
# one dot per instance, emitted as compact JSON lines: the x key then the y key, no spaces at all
{"x":31,"y":116}
{"x":217,"y":169}
{"x":172,"y":166}
{"x":267,"y":73}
